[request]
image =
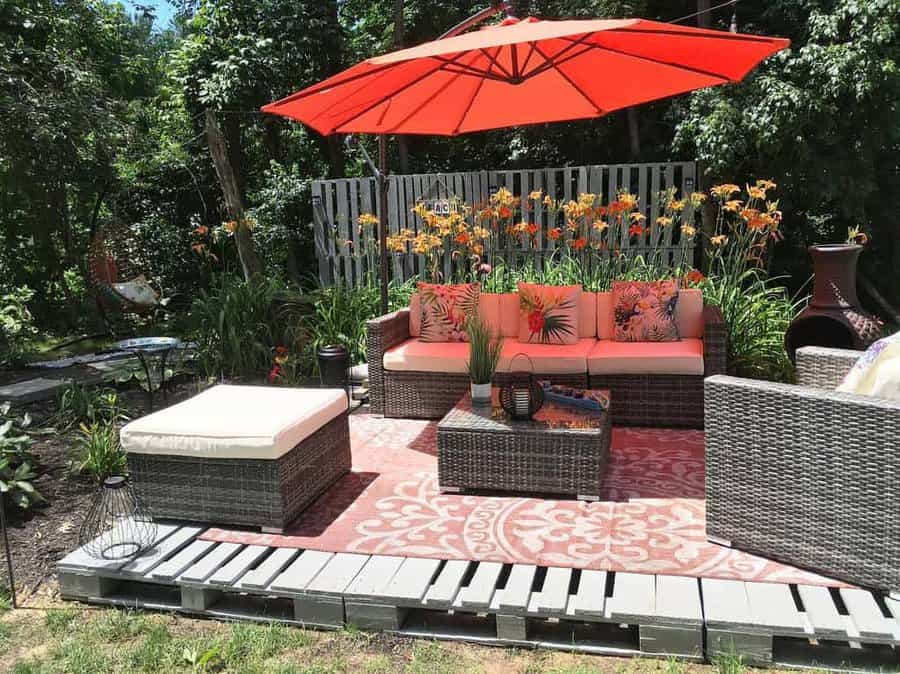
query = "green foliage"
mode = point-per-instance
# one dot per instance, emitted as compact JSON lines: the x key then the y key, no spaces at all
{"x":757,"y":313}
{"x":202,"y":660}
{"x":17,"y":463}
{"x":81,"y":403}
{"x":484,"y":351}
{"x":16,"y":324}
{"x":339,"y":316}
{"x":232,"y":323}
{"x":820,"y":118}
{"x":98,"y":453}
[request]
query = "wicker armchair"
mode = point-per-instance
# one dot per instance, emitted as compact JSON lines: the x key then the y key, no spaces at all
{"x":804,"y":474}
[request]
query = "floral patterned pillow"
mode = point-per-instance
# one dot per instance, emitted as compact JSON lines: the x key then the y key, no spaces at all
{"x":645,"y":311}
{"x":445,"y":310}
{"x":548,"y":314}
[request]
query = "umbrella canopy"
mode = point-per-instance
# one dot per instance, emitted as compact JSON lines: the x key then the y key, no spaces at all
{"x":524,"y":72}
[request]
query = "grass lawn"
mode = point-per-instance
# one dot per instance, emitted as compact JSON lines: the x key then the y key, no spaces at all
{"x":79,"y":640}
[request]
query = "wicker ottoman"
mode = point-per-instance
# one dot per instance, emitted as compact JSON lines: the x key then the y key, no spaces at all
{"x":245,"y":455}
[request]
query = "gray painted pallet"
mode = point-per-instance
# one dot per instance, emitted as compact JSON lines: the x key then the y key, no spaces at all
{"x":490,"y":602}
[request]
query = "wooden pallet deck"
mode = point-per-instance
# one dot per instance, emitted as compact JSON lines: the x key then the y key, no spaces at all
{"x":493,"y":603}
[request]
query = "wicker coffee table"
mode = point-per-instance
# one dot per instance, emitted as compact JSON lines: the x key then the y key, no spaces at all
{"x":562,"y":450}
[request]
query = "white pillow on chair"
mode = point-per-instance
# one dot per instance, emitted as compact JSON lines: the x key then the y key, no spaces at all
{"x":877,"y":372}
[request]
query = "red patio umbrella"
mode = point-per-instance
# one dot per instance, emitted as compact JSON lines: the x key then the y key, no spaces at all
{"x":518,"y":73}
{"x":524,"y":72}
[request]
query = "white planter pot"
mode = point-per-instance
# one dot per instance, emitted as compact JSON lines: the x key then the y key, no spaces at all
{"x":481,"y":393}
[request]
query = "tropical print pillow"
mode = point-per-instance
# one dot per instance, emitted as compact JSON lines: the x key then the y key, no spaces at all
{"x":445,"y":310}
{"x":548,"y":314}
{"x":645,"y":311}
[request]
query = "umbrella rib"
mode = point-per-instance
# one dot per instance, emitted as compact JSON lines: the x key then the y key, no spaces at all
{"x":493,"y":59}
{"x":572,"y":82}
{"x":650,"y":59}
{"x":528,"y":57}
{"x":425,"y":102}
{"x":384,"y":98}
{"x":472,"y":101}
{"x":321,"y":86}
{"x":572,"y":44}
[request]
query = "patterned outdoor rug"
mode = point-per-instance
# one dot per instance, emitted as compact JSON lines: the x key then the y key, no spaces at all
{"x":651,"y":518}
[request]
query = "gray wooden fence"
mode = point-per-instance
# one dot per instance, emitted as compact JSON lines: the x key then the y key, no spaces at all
{"x":337,"y":204}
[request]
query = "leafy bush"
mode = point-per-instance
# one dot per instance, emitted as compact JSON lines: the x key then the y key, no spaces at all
{"x":17,"y":463}
{"x":757,"y":313}
{"x":16,"y":324}
{"x":98,"y":453}
{"x":233,"y":326}
{"x":338,"y":316}
{"x":77,"y":404}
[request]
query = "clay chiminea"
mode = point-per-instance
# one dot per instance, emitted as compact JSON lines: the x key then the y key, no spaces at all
{"x":834,"y":316}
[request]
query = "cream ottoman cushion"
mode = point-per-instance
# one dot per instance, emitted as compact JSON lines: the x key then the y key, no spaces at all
{"x":235,"y":422}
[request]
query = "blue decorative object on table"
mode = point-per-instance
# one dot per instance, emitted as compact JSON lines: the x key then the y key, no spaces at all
{"x":576,"y":397}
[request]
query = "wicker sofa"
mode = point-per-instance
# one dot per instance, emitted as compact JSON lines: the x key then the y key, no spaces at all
{"x":652,"y":384}
{"x":804,"y":474}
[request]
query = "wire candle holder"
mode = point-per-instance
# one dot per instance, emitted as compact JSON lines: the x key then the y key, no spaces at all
{"x":117,"y":526}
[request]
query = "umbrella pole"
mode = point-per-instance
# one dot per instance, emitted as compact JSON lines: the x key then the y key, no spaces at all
{"x":382,"y":219}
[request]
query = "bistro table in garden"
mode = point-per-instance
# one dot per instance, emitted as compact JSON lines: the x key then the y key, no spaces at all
{"x":562,"y":449}
{"x":148,"y":348}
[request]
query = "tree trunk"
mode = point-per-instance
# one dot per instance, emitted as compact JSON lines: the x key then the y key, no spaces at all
{"x":402,"y":145}
{"x":250,"y":262}
{"x":634,"y":133}
{"x":272,"y":137}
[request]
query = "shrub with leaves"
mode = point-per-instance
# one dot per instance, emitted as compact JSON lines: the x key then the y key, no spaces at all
{"x":233,"y":326}
{"x":98,"y":453}
{"x":17,"y":463}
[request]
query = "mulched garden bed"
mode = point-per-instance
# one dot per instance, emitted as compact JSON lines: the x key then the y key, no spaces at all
{"x":39,"y":538}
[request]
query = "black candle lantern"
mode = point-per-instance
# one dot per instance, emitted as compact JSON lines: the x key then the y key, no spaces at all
{"x":521,"y":396}
{"x":117,"y":526}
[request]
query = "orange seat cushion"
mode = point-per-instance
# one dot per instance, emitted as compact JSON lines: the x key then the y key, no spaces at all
{"x":546,"y":358}
{"x":414,"y":355}
{"x":683,"y":357}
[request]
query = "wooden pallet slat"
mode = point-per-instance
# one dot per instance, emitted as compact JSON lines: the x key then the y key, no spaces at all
{"x":725,"y":603}
{"x":678,"y":600}
{"x":79,"y":559}
{"x":160,"y":552}
{"x":263,"y":575}
{"x":633,"y":599}
{"x":517,"y":592}
{"x":374,"y":577}
{"x":446,"y":586}
{"x":176,"y":565}
{"x":821,"y":612}
{"x":772,"y":605}
{"x":866,"y":614}
{"x":554,"y":596}
{"x":590,"y":599}
{"x":238,"y":566}
{"x":412,"y":580}
{"x":481,"y":589}
{"x":210,"y":563}
{"x":301,"y":571}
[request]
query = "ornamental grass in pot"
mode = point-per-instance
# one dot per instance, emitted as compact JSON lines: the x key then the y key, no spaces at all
{"x":484,"y":354}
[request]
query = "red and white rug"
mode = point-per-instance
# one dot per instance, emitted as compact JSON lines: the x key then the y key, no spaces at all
{"x":651,"y":518}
